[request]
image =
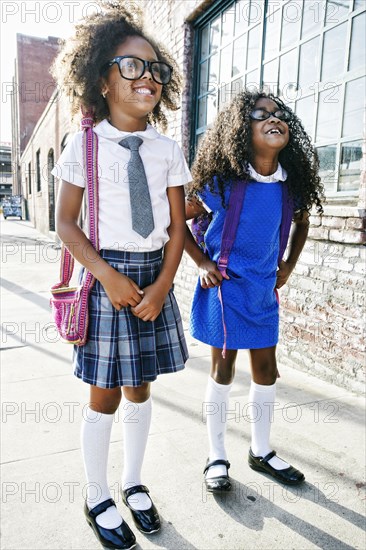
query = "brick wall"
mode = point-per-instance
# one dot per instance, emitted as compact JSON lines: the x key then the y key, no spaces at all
{"x":35,"y":84}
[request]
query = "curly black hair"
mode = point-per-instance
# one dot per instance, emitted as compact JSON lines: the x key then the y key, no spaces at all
{"x":226,"y":151}
{"x":77,"y":68}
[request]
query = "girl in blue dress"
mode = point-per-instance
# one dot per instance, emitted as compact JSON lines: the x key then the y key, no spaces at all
{"x":259,"y":140}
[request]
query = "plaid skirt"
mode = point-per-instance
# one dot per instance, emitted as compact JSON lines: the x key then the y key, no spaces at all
{"x":123,"y":350}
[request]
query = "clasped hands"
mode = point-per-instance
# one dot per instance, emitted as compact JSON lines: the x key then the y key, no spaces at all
{"x":122,"y":292}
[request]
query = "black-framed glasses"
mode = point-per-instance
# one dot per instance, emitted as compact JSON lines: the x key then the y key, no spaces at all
{"x":263,"y":114}
{"x":132,"y":68}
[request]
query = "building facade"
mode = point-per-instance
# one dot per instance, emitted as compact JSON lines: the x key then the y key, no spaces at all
{"x":6,"y":175}
{"x":32,"y":88}
{"x":312,"y":54}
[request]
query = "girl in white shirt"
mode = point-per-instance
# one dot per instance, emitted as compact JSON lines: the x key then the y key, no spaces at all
{"x":135,"y":329}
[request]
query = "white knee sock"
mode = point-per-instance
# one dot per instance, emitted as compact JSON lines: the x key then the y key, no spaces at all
{"x":95,"y":437}
{"x":260,"y":411}
{"x":136,"y":424}
{"x":216,"y":406}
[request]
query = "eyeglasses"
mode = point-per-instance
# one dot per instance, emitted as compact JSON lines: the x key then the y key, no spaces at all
{"x":132,"y":68}
{"x":262,"y":114}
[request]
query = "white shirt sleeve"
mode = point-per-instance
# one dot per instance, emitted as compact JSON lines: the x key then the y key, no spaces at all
{"x":69,"y":166}
{"x":179,"y":173}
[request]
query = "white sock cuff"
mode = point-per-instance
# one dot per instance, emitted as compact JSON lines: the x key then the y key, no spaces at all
{"x":223,"y":388}
{"x":262,"y":388}
{"x":141,"y":406}
{"x":95,"y":417}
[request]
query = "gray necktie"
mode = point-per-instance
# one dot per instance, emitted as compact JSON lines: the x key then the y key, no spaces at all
{"x":142,"y":214}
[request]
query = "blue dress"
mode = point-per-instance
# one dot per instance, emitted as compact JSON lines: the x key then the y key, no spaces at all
{"x":250,"y":305}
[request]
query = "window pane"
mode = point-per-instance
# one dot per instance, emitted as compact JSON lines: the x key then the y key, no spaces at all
{"x":239,"y":56}
{"x":312,"y":17}
{"x":336,"y":11}
{"x":273,"y":27}
{"x":305,"y":111}
{"x":328,"y":114}
{"x":256,"y":11}
{"x":288,"y":71}
{"x":309,"y":60}
{"x":205,"y":44}
{"x":354,"y":107}
{"x":333,"y":53}
{"x":291,"y":21}
{"x":242,"y":16}
{"x":215,"y":34}
{"x":358,"y":56}
{"x":350,"y":169}
{"x":211,"y":108}
{"x":327,"y":168}
{"x":237,"y":86}
{"x":252,"y":80}
{"x":359,"y":4}
{"x":214,"y":69}
{"x":228,"y":22}
{"x":203,"y":77}
{"x":225,"y":95}
{"x":270,"y":76}
{"x":225,"y":66}
{"x":202,"y":110}
{"x":253,"y":47}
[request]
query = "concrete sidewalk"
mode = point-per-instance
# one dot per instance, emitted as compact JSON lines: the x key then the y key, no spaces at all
{"x":318,"y":427}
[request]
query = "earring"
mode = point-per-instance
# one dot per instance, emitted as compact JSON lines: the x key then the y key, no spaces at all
{"x":104,"y":94}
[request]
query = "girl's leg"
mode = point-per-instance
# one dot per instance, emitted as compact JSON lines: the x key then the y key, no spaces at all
{"x":262,"y":396}
{"x":216,"y":406}
{"x":95,"y":438}
{"x":136,"y":416}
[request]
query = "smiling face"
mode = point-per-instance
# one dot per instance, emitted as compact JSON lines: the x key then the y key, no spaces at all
{"x":130,"y":101}
{"x":269,"y":136}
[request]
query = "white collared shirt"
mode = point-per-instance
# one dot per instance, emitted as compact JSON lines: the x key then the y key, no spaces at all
{"x":164,"y":164}
{"x":279,"y":175}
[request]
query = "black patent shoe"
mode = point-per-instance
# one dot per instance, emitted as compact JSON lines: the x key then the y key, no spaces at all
{"x":289,"y":476}
{"x":146,"y":521}
{"x":120,"y":538}
{"x":219,"y":483}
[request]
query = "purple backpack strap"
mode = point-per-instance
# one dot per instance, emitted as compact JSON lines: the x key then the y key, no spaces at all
{"x":287,"y":214}
{"x":231,"y":223}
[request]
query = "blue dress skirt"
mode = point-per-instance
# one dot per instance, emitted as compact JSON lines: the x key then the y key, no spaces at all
{"x":250,"y":308}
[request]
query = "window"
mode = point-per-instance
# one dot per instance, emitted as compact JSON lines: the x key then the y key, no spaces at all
{"x":357,"y":58}
{"x":30,"y":178}
{"x":334,"y":49}
{"x":38,"y":168}
{"x":310,"y":52}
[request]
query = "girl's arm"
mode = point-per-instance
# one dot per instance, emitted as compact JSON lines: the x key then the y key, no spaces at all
{"x":121,"y":290}
{"x":210,"y":276}
{"x":155,"y":294}
{"x":297,"y":240}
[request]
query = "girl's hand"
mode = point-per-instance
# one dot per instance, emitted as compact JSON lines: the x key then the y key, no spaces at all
{"x":121,"y":290}
{"x":209,"y":274}
{"x":283,"y":273}
{"x":151,"y":304}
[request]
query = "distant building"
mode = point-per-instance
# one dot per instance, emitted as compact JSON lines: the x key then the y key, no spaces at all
{"x":6,"y":173}
{"x":312,"y":53}
{"x":33,"y":87}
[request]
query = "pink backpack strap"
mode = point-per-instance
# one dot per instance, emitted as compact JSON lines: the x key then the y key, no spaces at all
{"x":90,"y":156}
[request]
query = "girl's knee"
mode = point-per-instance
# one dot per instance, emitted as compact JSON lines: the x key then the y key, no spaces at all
{"x":137,"y":394}
{"x":223,"y":370}
{"x":105,"y":401}
{"x":264,"y":366}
